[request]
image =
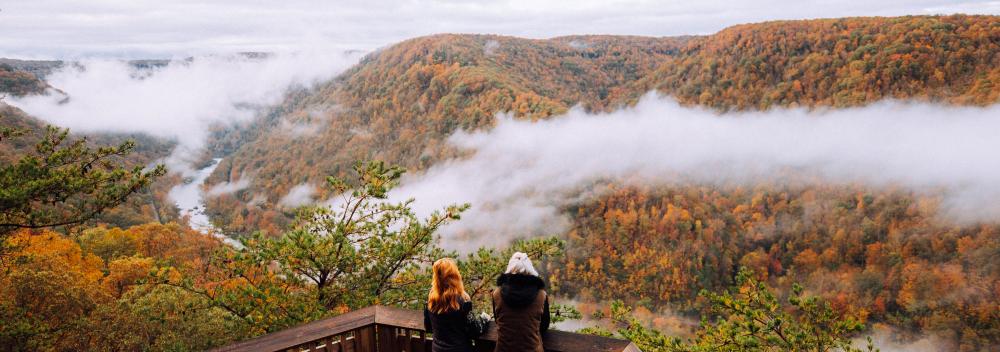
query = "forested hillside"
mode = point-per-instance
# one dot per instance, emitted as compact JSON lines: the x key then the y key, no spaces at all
{"x":881,"y":254}
{"x":400,"y":103}
{"x":150,"y":205}
{"x":17,"y":82}
{"x":837,"y":62}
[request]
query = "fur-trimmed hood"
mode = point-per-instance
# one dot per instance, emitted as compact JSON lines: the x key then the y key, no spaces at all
{"x":519,"y":290}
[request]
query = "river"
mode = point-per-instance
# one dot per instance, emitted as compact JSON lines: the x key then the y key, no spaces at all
{"x":190,"y":199}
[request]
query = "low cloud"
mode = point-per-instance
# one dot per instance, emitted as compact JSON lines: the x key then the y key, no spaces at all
{"x":228,"y":187}
{"x":299,"y":195}
{"x":887,"y":339}
{"x":521,"y":174}
{"x":180,"y":100}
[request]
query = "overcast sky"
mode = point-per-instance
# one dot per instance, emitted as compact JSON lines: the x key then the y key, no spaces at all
{"x":164,"y":28}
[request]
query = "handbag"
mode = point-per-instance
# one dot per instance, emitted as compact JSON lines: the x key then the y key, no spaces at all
{"x":477,"y":323}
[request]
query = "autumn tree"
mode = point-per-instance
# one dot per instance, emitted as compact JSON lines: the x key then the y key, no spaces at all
{"x":65,"y":182}
{"x":750,"y":317}
{"x":364,"y":251}
{"x":57,"y":295}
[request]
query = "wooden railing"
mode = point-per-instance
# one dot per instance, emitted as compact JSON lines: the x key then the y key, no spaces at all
{"x":387,"y":329}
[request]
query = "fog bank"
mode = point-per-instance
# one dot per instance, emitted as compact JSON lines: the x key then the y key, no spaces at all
{"x":521,"y":173}
{"x":181,"y":100}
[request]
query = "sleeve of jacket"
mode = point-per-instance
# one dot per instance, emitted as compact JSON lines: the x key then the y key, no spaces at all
{"x":545,"y":316}
{"x":427,"y":321}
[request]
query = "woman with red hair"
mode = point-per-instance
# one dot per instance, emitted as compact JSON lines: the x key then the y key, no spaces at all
{"x":449,"y":310}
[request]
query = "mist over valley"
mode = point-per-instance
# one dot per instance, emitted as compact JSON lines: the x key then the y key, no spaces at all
{"x":851,"y":159}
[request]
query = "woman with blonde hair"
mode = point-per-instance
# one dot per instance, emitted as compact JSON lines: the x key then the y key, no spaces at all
{"x":449,"y":310}
{"x":520,"y":307}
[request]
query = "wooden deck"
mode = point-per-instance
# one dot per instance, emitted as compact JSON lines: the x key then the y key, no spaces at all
{"x":387,"y":329}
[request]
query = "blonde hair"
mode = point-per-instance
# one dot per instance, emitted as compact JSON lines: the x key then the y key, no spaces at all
{"x":520,"y":264}
{"x":446,"y":287}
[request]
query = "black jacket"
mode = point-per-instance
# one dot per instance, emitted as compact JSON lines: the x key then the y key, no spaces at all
{"x":452,"y":330}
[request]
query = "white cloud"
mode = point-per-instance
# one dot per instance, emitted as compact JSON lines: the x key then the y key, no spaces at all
{"x":228,"y":187}
{"x":521,"y":173}
{"x":181,"y":100}
{"x":299,"y":195}
{"x":143,"y":28}
{"x":887,"y":339}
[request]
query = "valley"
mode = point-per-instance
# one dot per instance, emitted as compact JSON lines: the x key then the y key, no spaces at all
{"x":643,"y":222}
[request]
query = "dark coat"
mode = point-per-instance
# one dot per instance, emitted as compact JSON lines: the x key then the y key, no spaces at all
{"x":452,"y":330}
{"x":521,"y":310}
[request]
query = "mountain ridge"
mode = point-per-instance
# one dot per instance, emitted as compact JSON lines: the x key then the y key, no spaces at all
{"x":400,"y":103}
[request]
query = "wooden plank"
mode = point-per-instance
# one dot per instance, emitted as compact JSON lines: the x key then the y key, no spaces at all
{"x":366,"y":338}
{"x":410,"y":345}
{"x":329,"y":345}
{"x":345,"y":342}
{"x":560,"y":341}
{"x":395,"y":334}
{"x":404,"y":318}
{"x":351,"y":343}
{"x":292,"y":337}
{"x":400,"y":342}
{"x":421,"y":342}
{"x":383,"y":334}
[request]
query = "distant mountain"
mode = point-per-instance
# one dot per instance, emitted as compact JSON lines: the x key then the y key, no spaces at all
{"x":837,"y":63}
{"x":881,"y":254}
{"x":398,"y":104}
{"x":20,"y":80}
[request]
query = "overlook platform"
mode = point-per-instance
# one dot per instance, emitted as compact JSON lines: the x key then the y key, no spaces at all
{"x":387,"y":329}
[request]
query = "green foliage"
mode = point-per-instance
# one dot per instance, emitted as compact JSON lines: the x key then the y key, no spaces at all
{"x":563,"y":312}
{"x":481,"y":268}
{"x":66,"y":183}
{"x":158,"y":318}
{"x":361,"y":252}
{"x":750,"y":318}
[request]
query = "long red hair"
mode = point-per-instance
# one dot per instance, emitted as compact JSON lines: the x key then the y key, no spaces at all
{"x":446,"y":287}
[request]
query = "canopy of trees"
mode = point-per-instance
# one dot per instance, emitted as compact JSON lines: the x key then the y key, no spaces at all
{"x":750,"y":318}
{"x":167,"y":287}
{"x":877,"y":256}
{"x":837,"y":62}
{"x":64,"y":183}
{"x":401,"y":103}
{"x":148,"y":203}
{"x":883,"y":256}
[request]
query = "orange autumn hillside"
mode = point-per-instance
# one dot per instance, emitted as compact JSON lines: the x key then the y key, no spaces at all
{"x":400,"y":103}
